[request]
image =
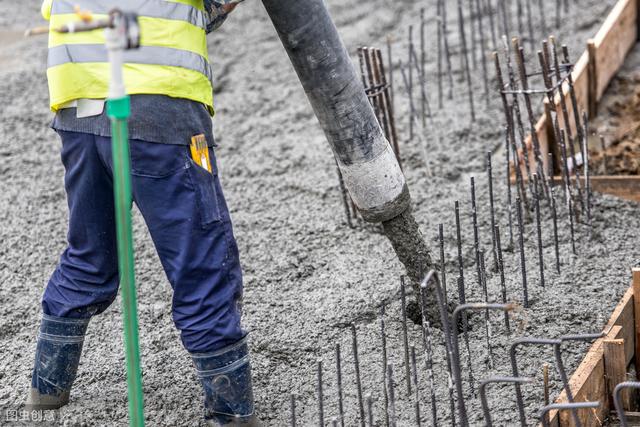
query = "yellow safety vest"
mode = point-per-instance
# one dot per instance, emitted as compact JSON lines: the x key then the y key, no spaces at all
{"x":172,"y":59}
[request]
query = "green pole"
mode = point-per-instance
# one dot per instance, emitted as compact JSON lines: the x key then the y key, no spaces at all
{"x":118,"y":110}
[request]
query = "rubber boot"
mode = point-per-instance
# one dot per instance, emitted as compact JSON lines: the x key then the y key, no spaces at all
{"x":226,"y":378}
{"x":56,"y":363}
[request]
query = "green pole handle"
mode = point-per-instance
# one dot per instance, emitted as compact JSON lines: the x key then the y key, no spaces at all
{"x":118,"y":110}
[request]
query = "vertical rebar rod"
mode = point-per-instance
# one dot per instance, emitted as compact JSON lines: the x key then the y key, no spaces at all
{"x":465,"y":60}
{"x":492,"y":211}
{"x":392,"y":398}
{"x":428,"y":347}
{"x":510,"y":129}
{"x":487,"y":323}
{"x":354,"y":341}
{"x":585,"y":156}
{"x":405,"y":336}
{"x":554,"y":215}
{"x":414,"y":376}
{"x":339,"y":384}
{"x":476,"y":240}
{"x":440,"y":51}
{"x":443,"y":270}
{"x":492,"y":24}
{"x":370,"y":410}
{"x":530,"y":24}
{"x":320,"y":396}
{"x":390,"y":61}
{"x":573,"y":238}
{"x":508,"y":176}
{"x":474,"y":40}
{"x":483,"y":56}
{"x":447,"y":51}
{"x":503,"y":285}
{"x":423,"y":59}
{"x":520,"y":61}
{"x":410,"y":83}
{"x":545,"y":385}
{"x":383,"y":338}
{"x":523,"y":266}
{"x":388,"y":100}
{"x":539,"y":230}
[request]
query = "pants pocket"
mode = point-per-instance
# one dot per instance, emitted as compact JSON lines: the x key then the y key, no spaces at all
{"x":206,"y":194}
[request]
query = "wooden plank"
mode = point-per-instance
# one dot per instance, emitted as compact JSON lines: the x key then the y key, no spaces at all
{"x":615,"y":368}
{"x":613,"y":41}
{"x":592,"y":85}
{"x":587,"y":382}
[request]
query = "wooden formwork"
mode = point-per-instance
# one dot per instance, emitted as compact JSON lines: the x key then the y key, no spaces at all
{"x":605,"y":54}
{"x":606,"y":363}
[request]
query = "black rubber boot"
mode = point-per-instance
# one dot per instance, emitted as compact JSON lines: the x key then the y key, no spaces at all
{"x":226,"y":378}
{"x":56,"y":363}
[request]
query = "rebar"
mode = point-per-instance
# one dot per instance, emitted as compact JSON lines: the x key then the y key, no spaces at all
{"x":545,"y":383}
{"x":555,"y":231}
{"x":387,"y":97}
{"x":572,"y":92}
{"x":565,"y":167}
{"x":474,"y":41}
{"x":617,"y":401}
{"x":461,"y":293}
{"x":440,"y":51}
{"x":510,"y":129}
{"x":492,"y":211}
{"x":392,"y":399}
{"x":476,"y":240}
{"x":565,"y":381}
{"x":483,"y":395}
{"x":514,"y":368}
{"x":447,"y":51}
{"x":523,"y":266}
{"x":520,"y":60}
{"x":409,"y":83}
{"x":416,"y":400}
{"x":503,"y":286}
{"x":585,"y":157}
{"x":530,"y":24}
{"x":508,"y":176}
{"x":448,"y":332}
{"x":320,"y":396}
{"x":428,"y":350}
{"x":483,"y":56}
{"x":370,"y":409}
{"x":383,"y":338}
{"x":487,"y":324}
{"x":443,"y":269}
{"x":539,"y":230}
{"x":573,"y":238}
{"x":339,"y":385}
{"x":603,"y":147}
{"x":405,"y":336}
{"x":560,"y":406}
{"x":565,"y":116}
{"x":356,"y":363}
{"x":423,"y":93}
{"x":462,"y":410}
{"x":345,"y":196}
{"x":465,"y":60}
{"x":390,"y":60}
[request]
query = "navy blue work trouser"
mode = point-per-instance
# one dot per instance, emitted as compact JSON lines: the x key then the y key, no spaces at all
{"x":188,"y":220}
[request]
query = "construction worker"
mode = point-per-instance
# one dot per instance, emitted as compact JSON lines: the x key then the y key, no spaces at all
{"x":169,"y":80}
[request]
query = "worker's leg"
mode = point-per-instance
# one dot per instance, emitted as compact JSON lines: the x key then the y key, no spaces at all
{"x":85,"y":281}
{"x":187,"y":216}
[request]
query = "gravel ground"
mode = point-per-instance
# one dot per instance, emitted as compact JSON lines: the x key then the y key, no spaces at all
{"x":307,"y":275}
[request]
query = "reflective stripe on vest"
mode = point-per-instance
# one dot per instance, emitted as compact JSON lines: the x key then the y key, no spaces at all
{"x":152,"y":9}
{"x":157,"y":55}
{"x":172,"y":59}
